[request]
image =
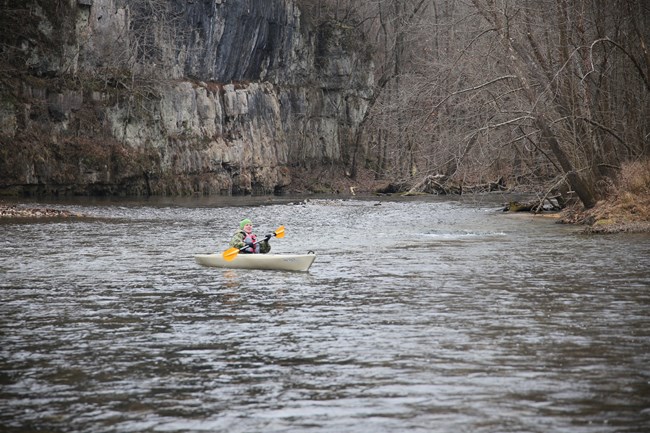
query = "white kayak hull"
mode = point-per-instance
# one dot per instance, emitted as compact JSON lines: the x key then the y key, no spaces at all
{"x":279,"y":262}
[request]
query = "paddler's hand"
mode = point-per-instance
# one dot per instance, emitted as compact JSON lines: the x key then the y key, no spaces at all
{"x":267,"y":237}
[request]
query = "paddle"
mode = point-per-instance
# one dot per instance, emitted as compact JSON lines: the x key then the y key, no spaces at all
{"x":231,"y":253}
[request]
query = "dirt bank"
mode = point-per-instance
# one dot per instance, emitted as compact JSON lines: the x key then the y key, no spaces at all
{"x":627,"y":213}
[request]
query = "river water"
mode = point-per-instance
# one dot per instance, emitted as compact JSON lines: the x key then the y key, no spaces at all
{"x":418,"y":315}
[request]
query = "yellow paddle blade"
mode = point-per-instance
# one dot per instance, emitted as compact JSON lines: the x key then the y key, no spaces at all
{"x":230,"y":254}
{"x":279,"y":232}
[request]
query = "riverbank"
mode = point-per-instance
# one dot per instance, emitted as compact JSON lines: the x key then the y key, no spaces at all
{"x":626,"y":214}
{"x":626,"y":210}
{"x":20,"y":211}
{"x":626,"y":207}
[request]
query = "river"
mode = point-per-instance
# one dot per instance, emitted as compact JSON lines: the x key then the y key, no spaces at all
{"x":419,"y":315}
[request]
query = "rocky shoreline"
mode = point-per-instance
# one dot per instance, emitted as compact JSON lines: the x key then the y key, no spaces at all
{"x":20,"y":211}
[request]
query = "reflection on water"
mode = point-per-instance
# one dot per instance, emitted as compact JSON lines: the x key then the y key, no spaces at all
{"x":418,"y":315}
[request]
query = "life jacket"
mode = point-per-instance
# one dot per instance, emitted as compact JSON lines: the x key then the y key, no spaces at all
{"x":255,"y":249}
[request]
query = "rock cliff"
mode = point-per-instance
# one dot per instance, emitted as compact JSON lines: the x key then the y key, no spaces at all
{"x":173,"y":97}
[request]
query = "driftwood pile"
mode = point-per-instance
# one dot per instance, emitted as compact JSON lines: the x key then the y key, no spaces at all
{"x":440,"y":184}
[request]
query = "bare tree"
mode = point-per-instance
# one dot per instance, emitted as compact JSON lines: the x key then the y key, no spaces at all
{"x":518,"y":89}
{"x":389,"y":23}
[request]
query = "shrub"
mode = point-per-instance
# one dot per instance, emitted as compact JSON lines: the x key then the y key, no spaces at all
{"x":635,"y":177}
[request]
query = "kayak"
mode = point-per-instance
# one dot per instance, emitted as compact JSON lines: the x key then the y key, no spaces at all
{"x":279,"y":262}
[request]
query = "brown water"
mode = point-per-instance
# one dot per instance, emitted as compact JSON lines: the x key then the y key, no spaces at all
{"x":419,"y":315}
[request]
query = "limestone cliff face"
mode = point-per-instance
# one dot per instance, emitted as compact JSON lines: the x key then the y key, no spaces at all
{"x":173,"y":97}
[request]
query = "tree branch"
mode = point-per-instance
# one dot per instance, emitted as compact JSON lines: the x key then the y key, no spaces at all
{"x":636,"y":63}
{"x":609,"y":131}
{"x":470,"y":89}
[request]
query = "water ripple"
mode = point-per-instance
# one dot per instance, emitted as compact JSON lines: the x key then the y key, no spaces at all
{"x":418,"y":315}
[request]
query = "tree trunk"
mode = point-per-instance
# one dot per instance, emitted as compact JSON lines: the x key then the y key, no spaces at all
{"x":581,"y":188}
{"x":523,"y":65}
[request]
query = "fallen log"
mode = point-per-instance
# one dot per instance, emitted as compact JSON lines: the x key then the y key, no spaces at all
{"x":515,"y":206}
{"x":535,"y":206}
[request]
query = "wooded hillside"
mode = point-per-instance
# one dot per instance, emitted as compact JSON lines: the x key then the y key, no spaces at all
{"x":550,"y":93}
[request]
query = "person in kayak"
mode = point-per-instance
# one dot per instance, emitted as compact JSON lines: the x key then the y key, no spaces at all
{"x":246,"y":241}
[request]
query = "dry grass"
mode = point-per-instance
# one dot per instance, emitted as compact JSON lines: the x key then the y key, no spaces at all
{"x":627,"y":209}
{"x":635,"y":178}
